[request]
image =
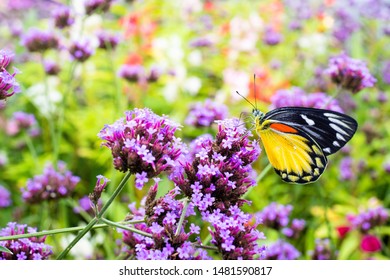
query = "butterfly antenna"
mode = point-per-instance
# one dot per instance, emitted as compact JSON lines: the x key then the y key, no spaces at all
{"x":254,"y":89}
{"x":246,"y":99}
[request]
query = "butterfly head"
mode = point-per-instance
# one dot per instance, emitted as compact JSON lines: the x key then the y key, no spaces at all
{"x":257,"y":114}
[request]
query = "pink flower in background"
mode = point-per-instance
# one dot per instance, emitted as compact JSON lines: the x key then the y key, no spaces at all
{"x":370,"y":244}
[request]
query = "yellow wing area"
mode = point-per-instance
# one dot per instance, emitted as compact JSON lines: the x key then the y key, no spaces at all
{"x":295,"y":158}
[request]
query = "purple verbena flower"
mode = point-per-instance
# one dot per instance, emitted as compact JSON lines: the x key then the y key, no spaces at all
{"x":51,"y":185}
{"x":164,"y":243}
{"x":21,"y":121}
{"x":204,"y":114}
{"x":92,"y":6}
{"x":5,"y":197}
{"x":143,"y":142}
{"x":346,"y":169}
{"x":282,"y":250}
{"x":221,"y":169}
{"x":132,"y":73}
{"x":51,"y":67}
{"x":101,"y":183}
{"x":63,"y":17}
{"x":81,"y":50}
{"x":201,"y":42}
{"x":153,"y":74}
{"x":8,"y":84}
{"x":107,"y":40}
{"x":351,"y":74}
{"x":33,"y":248}
{"x":272,"y":37}
{"x":295,"y":229}
{"x":36,"y":40}
{"x":234,"y":235}
{"x":296,"y":97}
{"x":275,"y":215}
{"x":322,"y":250}
{"x":85,"y":204}
{"x":370,"y":219}
{"x":386,"y":72}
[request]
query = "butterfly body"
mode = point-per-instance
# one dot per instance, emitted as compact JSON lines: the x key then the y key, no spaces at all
{"x":298,"y":140}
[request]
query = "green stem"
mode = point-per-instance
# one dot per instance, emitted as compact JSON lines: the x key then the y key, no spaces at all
{"x":97,"y":218}
{"x":50,"y":116}
{"x":48,"y":232}
{"x":182,"y":216}
{"x":326,"y":218}
{"x":207,"y":247}
{"x":61,"y":116}
{"x":263,"y":173}
{"x":31,"y":147}
{"x":118,"y":225}
{"x":259,"y":178}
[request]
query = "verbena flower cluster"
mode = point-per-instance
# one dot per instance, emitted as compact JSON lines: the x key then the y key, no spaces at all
{"x":349,"y":73}
{"x":296,"y":96}
{"x":143,"y":144}
{"x":62,"y":17}
{"x":204,"y":114}
{"x":5,"y":197}
{"x":234,"y":235}
{"x":323,"y":250}
{"x":162,"y":216}
{"x":22,"y":121}
{"x":36,"y":40}
{"x":93,"y":6}
{"x":33,"y":248}
{"x":370,"y":219}
{"x":81,"y":50}
{"x":8,"y":84}
{"x":282,"y":250}
{"x":221,"y":171}
{"x":107,"y":40}
{"x":136,"y":73}
{"x":275,"y":215}
{"x":51,"y":185}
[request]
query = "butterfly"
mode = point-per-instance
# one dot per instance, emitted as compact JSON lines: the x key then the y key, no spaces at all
{"x":297,"y":140}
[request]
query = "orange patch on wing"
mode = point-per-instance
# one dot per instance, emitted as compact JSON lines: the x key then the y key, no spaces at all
{"x":283,"y":128}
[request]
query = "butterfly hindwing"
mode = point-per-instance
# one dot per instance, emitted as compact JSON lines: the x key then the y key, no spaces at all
{"x":298,"y":139}
{"x":295,"y":156}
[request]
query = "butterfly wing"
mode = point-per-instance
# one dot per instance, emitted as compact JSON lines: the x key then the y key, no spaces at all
{"x":297,"y":140}
{"x":294,"y":155}
{"x":330,"y":130}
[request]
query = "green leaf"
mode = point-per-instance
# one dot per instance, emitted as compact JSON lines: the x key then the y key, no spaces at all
{"x":5,"y":250}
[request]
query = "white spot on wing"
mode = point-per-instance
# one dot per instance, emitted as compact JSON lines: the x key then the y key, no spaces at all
{"x":338,"y":129}
{"x":308,"y":121}
{"x":339,"y":122}
{"x":335,"y":143}
{"x":340,"y":137}
{"x":330,"y":115}
{"x":327,"y":150}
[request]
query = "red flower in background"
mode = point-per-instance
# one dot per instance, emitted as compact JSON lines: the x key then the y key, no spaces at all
{"x":370,"y":244}
{"x":342,"y":231}
{"x":265,"y":85}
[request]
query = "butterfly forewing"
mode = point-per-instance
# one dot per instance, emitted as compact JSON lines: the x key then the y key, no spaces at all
{"x":331,"y":130}
{"x":297,"y":140}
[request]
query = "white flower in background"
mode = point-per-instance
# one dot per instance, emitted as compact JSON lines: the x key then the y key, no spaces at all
{"x":245,"y":33}
{"x":3,"y":158}
{"x":195,"y":58}
{"x":85,"y":248}
{"x":236,"y":80}
{"x":315,"y":44}
{"x":46,"y":101}
{"x":192,"y":85}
